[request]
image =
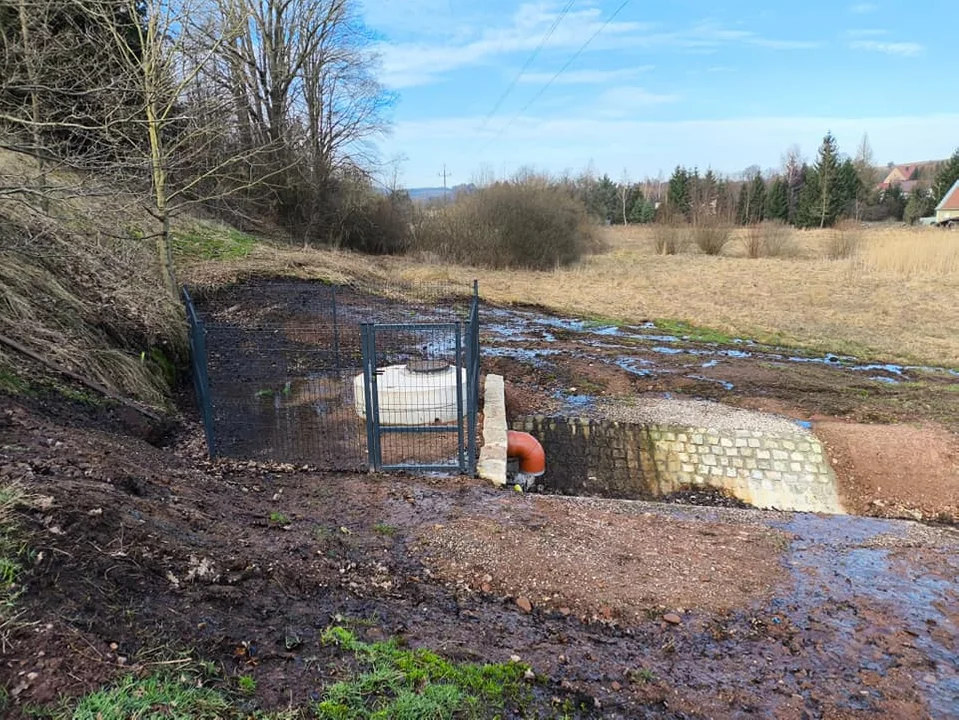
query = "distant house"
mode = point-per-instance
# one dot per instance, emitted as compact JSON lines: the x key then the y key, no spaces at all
{"x":948,"y":209}
{"x":907,"y":176}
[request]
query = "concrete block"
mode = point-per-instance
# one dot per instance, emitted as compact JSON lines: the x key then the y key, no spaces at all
{"x":779,"y":465}
{"x":732,"y":452}
{"x":763,"y":454}
{"x":741,"y":442}
{"x":780,"y":455}
{"x":709,"y":460}
{"x":712,"y":439}
{"x":492,"y":460}
{"x":797,"y":456}
{"x":697,"y":439}
{"x":754,"y":442}
{"x":788,"y":445}
{"x":796,"y":467}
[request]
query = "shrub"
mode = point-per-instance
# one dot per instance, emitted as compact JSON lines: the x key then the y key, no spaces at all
{"x":711,"y":236}
{"x":669,"y":238}
{"x":771,"y":238}
{"x":844,"y":241}
{"x":528,"y":224}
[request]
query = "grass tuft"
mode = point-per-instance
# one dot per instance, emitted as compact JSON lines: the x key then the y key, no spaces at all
{"x":168,"y":697}
{"x":395,"y":683}
{"x":12,"y":550}
{"x":211,"y":242}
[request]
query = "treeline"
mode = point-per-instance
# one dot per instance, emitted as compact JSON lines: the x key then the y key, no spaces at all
{"x":253,"y":109}
{"x":806,"y":195}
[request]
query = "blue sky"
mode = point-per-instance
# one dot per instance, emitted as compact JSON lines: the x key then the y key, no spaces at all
{"x":693,"y":82}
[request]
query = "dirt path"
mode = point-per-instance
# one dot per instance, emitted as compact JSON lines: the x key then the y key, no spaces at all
{"x":143,"y":551}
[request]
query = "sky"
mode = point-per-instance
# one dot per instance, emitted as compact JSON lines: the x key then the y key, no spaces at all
{"x":484,"y":89}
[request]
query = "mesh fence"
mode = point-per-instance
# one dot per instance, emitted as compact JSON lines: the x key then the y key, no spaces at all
{"x":284,"y":368}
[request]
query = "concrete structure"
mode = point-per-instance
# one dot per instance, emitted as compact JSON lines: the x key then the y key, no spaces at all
{"x":948,"y":209}
{"x":492,"y":459}
{"x":786,"y":470}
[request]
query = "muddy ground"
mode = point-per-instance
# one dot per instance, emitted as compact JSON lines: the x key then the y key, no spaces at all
{"x":630,"y":609}
{"x":892,"y":431}
{"x":141,"y":552}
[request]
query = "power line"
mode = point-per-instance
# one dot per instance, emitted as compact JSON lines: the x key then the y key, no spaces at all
{"x":529,"y":61}
{"x":445,"y":174}
{"x":558,"y":73}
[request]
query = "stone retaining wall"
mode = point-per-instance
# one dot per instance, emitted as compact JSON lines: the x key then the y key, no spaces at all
{"x":784,"y":470}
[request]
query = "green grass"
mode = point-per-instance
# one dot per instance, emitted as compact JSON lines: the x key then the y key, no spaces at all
{"x":13,"y":384}
{"x":246,"y":684}
{"x":384,"y":529}
{"x":12,"y":550}
{"x":693,"y":332}
{"x":278,"y":518}
{"x":394,"y":683}
{"x":168,"y":697}
{"x":211,"y":242}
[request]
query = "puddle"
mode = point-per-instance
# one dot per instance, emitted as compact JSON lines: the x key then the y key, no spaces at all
{"x":630,"y":364}
{"x":502,"y":324}
{"x":839,"y":568}
{"x":727,"y":385}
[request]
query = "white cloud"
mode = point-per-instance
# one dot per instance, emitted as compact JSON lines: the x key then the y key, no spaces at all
{"x":863,"y":8}
{"x":407,"y":64}
{"x":585,"y":77}
{"x":905,"y":49}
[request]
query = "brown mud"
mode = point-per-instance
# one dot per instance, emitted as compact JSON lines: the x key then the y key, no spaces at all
{"x":629,"y":609}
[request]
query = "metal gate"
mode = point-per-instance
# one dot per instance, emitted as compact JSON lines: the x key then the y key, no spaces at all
{"x":421,"y":412}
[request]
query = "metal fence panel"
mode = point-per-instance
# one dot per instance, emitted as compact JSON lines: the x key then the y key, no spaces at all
{"x":284,"y":377}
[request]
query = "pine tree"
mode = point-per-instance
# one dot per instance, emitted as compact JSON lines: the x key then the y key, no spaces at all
{"x":757,"y":199}
{"x":848,"y":188}
{"x":921,"y":204}
{"x":946,"y":176}
{"x":820,"y":201}
{"x":777,"y":200}
{"x":677,"y":192}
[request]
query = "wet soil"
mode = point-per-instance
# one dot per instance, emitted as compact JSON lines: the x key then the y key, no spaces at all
{"x":630,"y":609}
{"x":892,"y":430}
{"x":672,"y":611}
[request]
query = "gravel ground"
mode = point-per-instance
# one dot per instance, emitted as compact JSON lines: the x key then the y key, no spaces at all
{"x":695,"y":413}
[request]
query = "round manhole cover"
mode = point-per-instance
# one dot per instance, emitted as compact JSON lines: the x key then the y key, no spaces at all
{"x":427,"y":366}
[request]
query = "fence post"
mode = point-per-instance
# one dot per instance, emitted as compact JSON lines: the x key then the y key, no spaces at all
{"x":460,"y":400}
{"x":473,"y":360}
{"x":368,"y":345}
{"x":201,"y":378}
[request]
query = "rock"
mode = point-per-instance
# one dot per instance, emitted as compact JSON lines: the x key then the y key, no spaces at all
{"x":514,"y":658}
{"x":672,"y":618}
{"x":485,"y":587}
{"x":529,"y":674}
{"x":564,"y":611}
{"x":524,"y":604}
{"x":615,"y":685}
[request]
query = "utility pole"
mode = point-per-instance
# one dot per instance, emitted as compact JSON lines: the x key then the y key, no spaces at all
{"x":444,"y":175}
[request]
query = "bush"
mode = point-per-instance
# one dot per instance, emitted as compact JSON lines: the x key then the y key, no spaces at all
{"x":711,"y":236}
{"x":528,"y":224}
{"x":844,"y":241}
{"x":771,"y":238}
{"x":669,"y":238}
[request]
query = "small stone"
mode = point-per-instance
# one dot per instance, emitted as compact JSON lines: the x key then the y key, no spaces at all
{"x":672,"y":618}
{"x":529,"y":674}
{"x":524,"y":604}
{"x":615,"y":685}
{"x":113,"y":646}
{"x":514,"y":658}
{"x":564,"y":611}
{"x":485,"y":587}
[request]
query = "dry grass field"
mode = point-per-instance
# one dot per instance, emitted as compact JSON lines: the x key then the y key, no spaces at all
{"x":896,"y":298}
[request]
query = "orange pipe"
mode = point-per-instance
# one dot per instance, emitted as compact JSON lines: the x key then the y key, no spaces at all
{"x":532,"y":459}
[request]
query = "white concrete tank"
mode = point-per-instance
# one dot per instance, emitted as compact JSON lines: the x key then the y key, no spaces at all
{"x":421,"y":393}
